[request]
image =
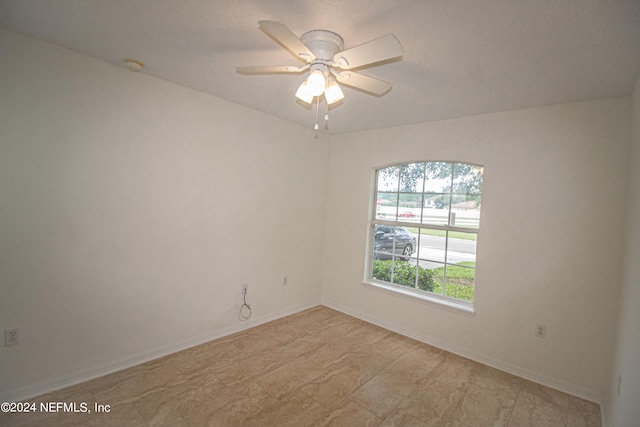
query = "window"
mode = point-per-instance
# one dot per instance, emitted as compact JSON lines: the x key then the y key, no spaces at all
{"x":424,"y":229}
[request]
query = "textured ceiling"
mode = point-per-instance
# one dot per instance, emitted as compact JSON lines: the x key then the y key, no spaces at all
{"x":460,"y":58}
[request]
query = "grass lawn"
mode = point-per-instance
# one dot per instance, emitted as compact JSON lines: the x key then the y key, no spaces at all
{"x":459,"y":282}
{"x":442,"y":233}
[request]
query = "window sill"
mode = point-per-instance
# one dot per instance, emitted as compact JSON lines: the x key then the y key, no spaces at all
{"x":446,"y":304}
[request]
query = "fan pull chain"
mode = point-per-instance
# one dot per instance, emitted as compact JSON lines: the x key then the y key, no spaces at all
{"x":316,"y":127}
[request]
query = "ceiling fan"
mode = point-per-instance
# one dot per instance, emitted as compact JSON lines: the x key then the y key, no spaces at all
{"x":328,"y":63}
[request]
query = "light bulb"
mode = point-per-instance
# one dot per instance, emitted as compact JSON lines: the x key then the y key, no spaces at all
{"x":317,"y":82}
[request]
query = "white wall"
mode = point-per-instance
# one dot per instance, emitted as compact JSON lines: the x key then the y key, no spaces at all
{"x":549,"y":246}
{"x":622,"y":409}
{"x":132,"y":210}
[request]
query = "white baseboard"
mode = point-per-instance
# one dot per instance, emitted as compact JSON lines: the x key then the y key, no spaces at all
{"x":58,"y":383}
{"x":560,"y":385}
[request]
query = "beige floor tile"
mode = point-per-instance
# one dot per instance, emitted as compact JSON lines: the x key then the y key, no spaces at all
{"x":417,"y":363}
{"x":315,"y":320}
{"x":351,"y":415}
{"x":287,"y":327}
{"x":432,"y":402}
{"x":368,"y":362}
{"x":398,"y":418}
{"x":178,"y":422}
{"x":333,"y":387}
{"x":205,"y":356}
{"x":154,"y":378}
{"x":303,"y":346}
{"x":403,"y":376}
{"x":485,"y":407}
{"x":333,"y":355}
{"x":365,"y":335}
{"x":498,"y":381}
{"x":124,"y":415}
{"x":230,"y":407}
{"x":258,"y":340}
{"x":291,"y":377}
{"x":341,"y":328}
{"x":319,"y":367}
{"x":382,"y":394}
{"x":392,"y":345}
{"x":533,"y":411}
{"x":113,"y":379}
{"x":181,"y":400}
{"x":457,"y":371}
{"x":583,"y":413}
{"x":398,"y":380}
{"x":546,"y":394}
{"x":246,"y":370}
{"x":294,"y":410}
{"x":79,"y":392}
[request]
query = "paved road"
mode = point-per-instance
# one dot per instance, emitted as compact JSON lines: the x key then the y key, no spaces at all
{"x":432,"y":251}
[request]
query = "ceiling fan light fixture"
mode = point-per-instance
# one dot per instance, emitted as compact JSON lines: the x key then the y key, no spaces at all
{"x":328,"y":63}
{"x":304,"y":93}
{"x":317,"y":82}
{"x":333,"y":93}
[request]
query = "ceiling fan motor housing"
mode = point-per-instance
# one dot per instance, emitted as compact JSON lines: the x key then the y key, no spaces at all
{"x":324,"y":44}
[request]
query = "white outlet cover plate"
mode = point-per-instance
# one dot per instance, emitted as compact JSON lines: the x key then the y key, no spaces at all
{"x":11,"y":336}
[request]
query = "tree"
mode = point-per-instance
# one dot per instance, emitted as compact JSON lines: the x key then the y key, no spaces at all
{"x":459,"y":178}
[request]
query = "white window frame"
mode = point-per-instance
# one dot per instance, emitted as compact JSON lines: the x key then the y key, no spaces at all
{"x":443,"y":301}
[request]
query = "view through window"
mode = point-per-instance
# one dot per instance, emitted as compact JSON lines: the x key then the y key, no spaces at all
{"x":425,"y":227}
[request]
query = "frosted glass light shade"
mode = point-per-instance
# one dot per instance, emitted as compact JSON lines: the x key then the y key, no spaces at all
{"x":333,"y":93}
{"x":317,"y":82}
{"x":304,"y":93}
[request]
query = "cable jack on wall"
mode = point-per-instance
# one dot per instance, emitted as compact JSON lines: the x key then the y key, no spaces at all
{"x":245,"y":309}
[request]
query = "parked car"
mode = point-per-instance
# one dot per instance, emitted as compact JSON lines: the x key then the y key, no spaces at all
{"x":407,"y":214}
{"x":383,"y":244}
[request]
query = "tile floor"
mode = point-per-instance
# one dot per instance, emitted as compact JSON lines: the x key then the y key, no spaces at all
{"x":315,"y":368}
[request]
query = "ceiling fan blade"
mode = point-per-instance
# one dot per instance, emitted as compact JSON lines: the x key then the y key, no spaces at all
{"x":365,"y":83}
{"x":380,"y":49}
{"x":283,"y":35}
{"x":271,"y":69}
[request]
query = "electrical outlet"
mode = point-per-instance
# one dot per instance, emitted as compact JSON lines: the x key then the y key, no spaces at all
{"x":11,"y":337}
{"x":245,"y":288}
{"x":284,"y":281}
{"x":541,"y":330}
